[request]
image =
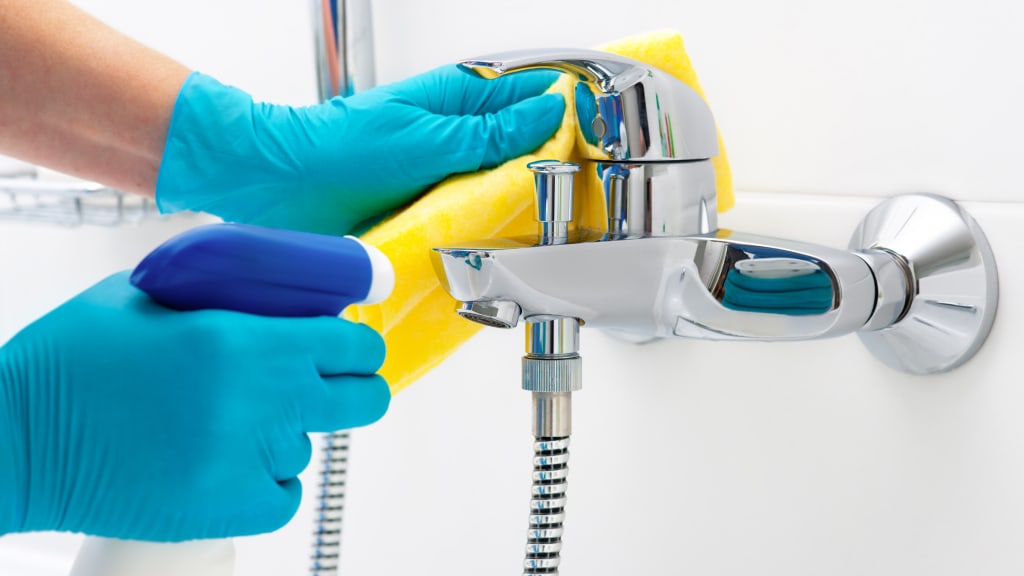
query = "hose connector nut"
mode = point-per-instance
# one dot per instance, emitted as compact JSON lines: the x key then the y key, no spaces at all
{"x":552,"y":374}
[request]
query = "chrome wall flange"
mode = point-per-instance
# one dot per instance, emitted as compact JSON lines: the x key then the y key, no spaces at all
{"x":953,"y":285}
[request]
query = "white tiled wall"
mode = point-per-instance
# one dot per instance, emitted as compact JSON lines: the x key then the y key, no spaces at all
{"x":689,"y":457}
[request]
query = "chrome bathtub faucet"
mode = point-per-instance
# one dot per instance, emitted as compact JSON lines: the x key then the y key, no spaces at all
{"x":917,"y":282}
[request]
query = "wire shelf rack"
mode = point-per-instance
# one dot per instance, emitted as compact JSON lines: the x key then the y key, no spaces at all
{"x":25,"y":197}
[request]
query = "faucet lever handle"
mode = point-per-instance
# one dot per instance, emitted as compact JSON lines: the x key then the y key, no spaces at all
{"x":627,"y":110}
{"x":607,"y":72}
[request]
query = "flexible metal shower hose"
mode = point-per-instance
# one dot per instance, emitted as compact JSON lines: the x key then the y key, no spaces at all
{"x":331,"y":509}
{"x":547,"y":506}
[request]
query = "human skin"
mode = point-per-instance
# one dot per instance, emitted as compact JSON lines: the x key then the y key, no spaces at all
{"x":82,"y":98}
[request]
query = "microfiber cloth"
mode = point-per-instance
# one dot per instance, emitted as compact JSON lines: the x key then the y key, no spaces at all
{"x":418,"y":321}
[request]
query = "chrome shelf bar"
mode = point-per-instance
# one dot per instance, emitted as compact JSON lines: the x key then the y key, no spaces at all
{"x":70,"y":203}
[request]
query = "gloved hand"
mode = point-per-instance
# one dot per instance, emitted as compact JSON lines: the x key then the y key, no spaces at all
{"x":328,"y":167}
{"x":122,"y":418}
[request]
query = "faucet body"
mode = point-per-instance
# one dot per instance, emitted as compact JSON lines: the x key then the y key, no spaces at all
{"x":918,"y":282}
{"x":658,"y":267}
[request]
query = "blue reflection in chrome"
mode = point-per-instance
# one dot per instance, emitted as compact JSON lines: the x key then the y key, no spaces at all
{"x":788,"y":286}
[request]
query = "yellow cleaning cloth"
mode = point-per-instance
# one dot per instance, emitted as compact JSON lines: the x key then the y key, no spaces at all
{"x":418,"y":321}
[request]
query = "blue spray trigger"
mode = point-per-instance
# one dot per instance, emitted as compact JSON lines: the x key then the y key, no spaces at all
{"x":263,"y":271}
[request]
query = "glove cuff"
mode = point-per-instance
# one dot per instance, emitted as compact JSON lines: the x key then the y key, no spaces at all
{"x":12,"y":463}
{"x":220,"y":148}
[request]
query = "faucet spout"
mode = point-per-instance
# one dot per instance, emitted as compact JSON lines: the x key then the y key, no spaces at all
{"x":625,"y":108}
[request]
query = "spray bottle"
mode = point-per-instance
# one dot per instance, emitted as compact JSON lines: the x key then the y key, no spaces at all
{"x":245,"y":269}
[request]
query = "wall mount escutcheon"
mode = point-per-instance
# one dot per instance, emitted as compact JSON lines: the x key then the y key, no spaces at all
{"x":950,"y":276}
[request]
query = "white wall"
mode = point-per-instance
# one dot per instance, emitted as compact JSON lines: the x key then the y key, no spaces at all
{"x":689,"y":457}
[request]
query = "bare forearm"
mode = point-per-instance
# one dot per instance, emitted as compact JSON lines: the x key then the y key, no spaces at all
{"x":79,"y":97}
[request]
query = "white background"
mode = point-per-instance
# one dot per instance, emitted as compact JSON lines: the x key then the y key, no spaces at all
{"x":689,"y":457}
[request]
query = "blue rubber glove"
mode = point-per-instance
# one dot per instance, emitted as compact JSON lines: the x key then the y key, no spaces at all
{"x":122,"y":418}
{"x":326,"y":168}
